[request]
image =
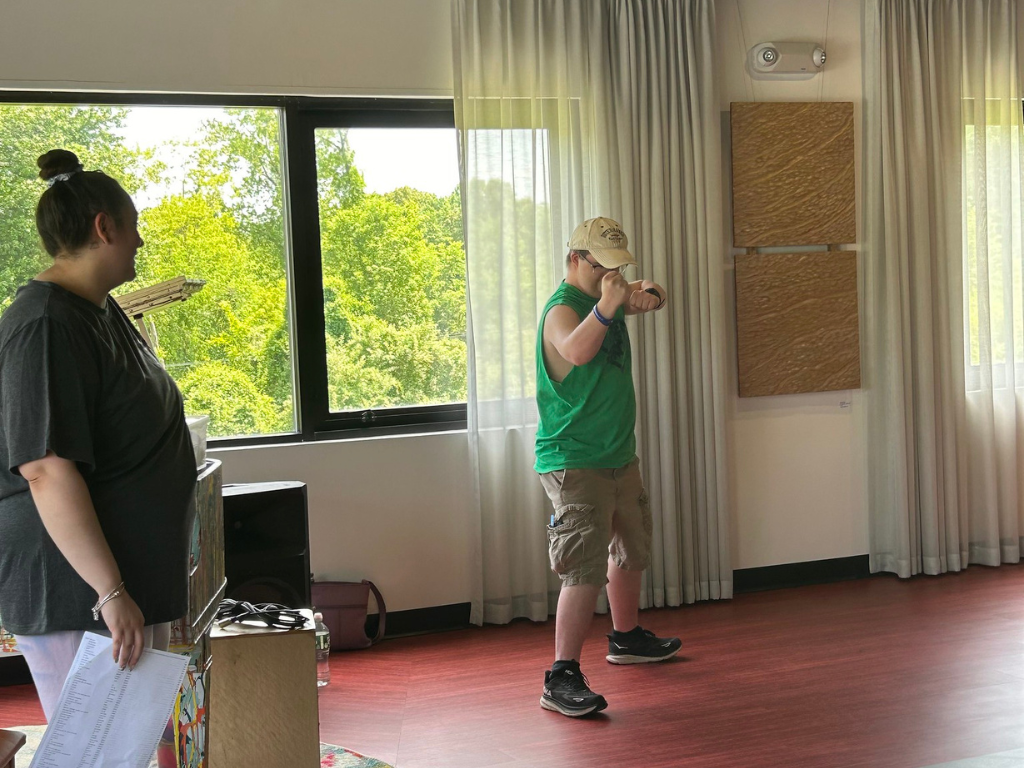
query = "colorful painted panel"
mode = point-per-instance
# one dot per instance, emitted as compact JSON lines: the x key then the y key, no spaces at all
{"x":190,"y":634}
{"x":7,"y":642}
{"x":190,"y":710}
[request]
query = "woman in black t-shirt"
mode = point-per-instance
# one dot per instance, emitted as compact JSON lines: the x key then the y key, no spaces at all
{"x":97,"y":472}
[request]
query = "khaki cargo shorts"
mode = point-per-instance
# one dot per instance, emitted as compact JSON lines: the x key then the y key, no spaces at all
{"x":598,"y":513}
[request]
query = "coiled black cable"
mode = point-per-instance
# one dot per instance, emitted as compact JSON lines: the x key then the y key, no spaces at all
{"x":273,"y":615}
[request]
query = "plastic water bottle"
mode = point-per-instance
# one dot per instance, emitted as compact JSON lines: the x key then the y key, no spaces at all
{"x":323,"y":651}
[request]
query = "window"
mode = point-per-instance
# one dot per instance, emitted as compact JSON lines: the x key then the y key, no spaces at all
{"x":207,"y":183}
{"x":334,"y":296}
{"x":993,"y":278}
{"x":393,"y":268}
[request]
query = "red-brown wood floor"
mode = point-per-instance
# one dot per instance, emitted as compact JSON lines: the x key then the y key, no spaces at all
{"x":877,"y":672}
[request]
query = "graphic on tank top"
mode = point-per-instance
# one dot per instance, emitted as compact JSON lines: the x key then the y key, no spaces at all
{"x":614,"y":346}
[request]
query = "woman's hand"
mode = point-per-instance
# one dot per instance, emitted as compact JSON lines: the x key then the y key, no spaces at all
{"x":125,"y":622}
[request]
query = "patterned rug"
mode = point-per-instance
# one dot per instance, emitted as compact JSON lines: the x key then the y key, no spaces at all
{"x":330,"y":755}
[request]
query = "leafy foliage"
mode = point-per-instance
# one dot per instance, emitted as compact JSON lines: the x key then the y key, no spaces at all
{"x":393,"y":264}
{"x":27,"y":131}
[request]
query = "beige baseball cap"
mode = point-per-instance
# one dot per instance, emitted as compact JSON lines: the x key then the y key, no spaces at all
{"x":604,"y":239}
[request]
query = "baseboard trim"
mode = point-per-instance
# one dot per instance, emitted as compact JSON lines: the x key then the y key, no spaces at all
{"x":419,"y":621}
{"x":801,"y":574}
{"x":443,"y":618}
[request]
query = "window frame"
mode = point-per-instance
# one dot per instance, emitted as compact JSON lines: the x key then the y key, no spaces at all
{"x":300,"y":117}
{"x":973,"y":371}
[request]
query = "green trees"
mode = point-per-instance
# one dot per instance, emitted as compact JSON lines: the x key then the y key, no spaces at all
{"x":26,"y":131}
{"x":395,"y":330}
{"x":393,"y":264}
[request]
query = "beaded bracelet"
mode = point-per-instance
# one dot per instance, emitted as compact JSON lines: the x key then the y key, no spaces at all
{"x":115,"y":592}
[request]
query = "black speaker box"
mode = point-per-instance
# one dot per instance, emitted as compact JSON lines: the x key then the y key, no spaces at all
{"x":266,"y":543}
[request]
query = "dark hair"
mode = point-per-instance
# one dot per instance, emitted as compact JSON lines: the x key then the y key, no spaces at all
{"x":66,"y":211}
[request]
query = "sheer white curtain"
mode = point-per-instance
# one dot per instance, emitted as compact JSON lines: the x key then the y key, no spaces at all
{"x":660,"y":118}
{"x":567,"y":110}
{"x":942,"y":289}
{"x":520,"y":75}
{"x":994,"y":290}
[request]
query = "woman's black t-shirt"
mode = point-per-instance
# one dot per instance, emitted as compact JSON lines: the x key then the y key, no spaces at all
{"x":79,"y":380}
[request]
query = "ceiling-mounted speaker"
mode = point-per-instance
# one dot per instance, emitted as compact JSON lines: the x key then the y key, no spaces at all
{"x":785,"y":61}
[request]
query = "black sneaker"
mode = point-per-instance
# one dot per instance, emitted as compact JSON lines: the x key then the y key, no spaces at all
{"x":640,"y":646}
{"x":569,"y":692}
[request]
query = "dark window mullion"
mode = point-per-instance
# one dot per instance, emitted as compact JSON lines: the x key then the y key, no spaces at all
{"x":303,"y":210}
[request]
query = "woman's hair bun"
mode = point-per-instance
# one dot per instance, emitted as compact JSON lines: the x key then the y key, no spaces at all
{"x":57,"y":161}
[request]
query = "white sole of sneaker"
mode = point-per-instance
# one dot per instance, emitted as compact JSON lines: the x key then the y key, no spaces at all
{"x":552,"y":706}
{"x":624,"y":659}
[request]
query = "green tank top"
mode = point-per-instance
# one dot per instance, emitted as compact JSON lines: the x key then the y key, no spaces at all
{"x":587,"y":419}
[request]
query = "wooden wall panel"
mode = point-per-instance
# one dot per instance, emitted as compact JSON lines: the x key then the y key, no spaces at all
{"x":797,"y":323}
{"x":793,"y":174}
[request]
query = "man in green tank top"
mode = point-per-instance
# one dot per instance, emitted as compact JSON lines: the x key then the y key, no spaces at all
{"x":600,"y":531}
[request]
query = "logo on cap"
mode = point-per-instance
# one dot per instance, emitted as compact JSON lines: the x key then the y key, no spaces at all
{"x":615,"y":235}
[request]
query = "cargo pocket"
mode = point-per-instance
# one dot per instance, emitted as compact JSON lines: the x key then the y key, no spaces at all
{"x":566,"y":548}
{"x":645,"y":515}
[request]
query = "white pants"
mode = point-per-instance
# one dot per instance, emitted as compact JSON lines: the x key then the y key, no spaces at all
{"x":50,"y":657}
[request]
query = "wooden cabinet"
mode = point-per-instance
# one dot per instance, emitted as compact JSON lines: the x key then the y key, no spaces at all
{"x":263,"y":698}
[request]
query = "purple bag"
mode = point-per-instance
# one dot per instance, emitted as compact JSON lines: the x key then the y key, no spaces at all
{"x":344,"y":605}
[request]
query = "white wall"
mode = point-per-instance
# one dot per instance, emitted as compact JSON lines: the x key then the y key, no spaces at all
{"x":391,"y":509}
{"x":796,"y":463}
{"x":365,"y":47}
{"x":397,"y":510}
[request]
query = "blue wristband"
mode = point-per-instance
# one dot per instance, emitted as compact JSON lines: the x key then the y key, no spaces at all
{"x":601,"y":318}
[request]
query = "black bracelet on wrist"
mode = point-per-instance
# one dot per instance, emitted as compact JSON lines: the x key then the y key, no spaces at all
{"x":601,"y":318}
